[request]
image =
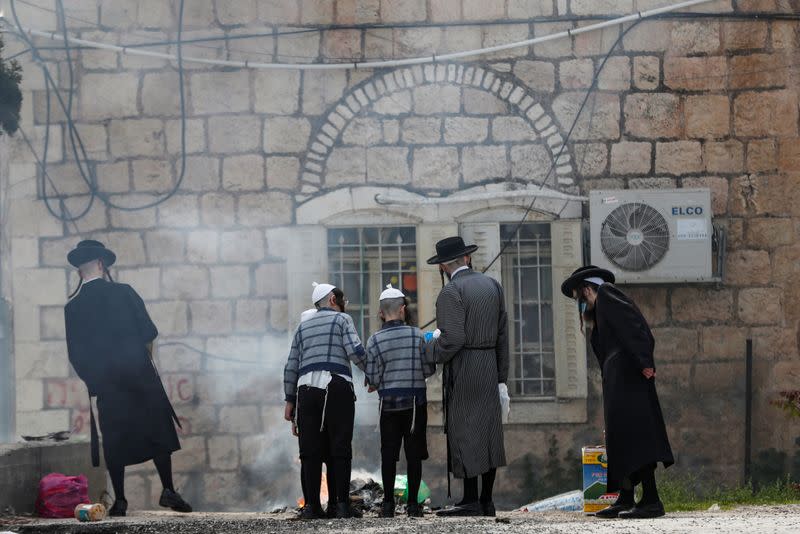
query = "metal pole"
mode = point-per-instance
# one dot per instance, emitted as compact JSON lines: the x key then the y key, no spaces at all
{"x":748,"y":411}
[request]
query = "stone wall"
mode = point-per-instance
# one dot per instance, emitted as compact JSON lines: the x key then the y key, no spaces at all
{"x":681,"y":103}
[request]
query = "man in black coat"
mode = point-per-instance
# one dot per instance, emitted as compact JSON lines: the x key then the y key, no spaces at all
{"x":109,"y":341}
{"x":636,"y":437}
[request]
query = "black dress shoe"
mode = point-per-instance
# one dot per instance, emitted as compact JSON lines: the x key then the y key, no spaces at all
{"x":343,"y":510}
{"x":644,"y":511}
{"x":414,"y":510}
{"x":330,"y":512}
{"x":387,"y":509}
{"x":613,"y":511}
{"x":462,"y":510}
{"x":488,"y":509}
{"x":119,"y":509}
{"x":311,"y":512}
{"x":171,"y":499}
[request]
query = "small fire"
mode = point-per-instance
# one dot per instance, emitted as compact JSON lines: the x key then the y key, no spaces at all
{"x":323,"y":493}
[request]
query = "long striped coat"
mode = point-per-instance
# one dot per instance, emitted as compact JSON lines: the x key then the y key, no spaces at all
{"x":473,"y":347}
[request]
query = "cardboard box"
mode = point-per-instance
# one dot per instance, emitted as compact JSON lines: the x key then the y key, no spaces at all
{"x":595,"y":480}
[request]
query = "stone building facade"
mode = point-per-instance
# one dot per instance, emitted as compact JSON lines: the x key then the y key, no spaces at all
{"x":287,"y":174}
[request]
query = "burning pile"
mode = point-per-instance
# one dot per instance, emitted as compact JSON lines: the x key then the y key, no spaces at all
{"x":366,"y":496}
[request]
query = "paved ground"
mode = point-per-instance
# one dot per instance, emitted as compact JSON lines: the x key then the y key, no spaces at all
{"x":758,"y":520}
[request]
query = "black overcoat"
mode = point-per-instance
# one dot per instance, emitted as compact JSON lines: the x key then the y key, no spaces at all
{"x":636,"y":436}
{"x":108,"y":330}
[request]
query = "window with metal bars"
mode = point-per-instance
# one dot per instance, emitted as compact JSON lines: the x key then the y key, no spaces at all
{"x":361,"y":261}
{"x":527,"y":280}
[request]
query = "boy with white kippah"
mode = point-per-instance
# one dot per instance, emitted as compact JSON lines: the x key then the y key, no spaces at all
{"x":397,"y":368}
{"x":320,"y":398}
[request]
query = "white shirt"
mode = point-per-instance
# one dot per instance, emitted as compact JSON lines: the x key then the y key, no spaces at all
{"x":463,"y":267}
{"x":318,"y":379}
{"x":92,"y":279}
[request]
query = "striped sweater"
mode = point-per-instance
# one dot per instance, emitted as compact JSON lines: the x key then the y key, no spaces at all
{"x":328,"y":341}
{"x":396,"y":364}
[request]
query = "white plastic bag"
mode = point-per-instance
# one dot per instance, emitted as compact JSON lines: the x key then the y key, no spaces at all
{"x":505,"y":402}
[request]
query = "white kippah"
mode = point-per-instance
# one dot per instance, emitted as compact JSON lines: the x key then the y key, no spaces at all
{"x":320,"y":290}
{"x":391,"y":293}
{"x":595,"y":280}
{"x":306,"y":315}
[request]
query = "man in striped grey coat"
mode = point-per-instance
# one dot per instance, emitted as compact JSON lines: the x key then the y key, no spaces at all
{"x":473,"y":346}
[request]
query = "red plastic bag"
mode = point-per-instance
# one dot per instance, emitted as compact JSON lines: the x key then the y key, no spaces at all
{"x":60,"y":494}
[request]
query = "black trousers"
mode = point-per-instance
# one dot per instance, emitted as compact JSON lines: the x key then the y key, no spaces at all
{"x":325,"y":421}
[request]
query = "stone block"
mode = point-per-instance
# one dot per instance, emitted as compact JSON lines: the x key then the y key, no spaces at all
{"x":646,"y":72}
{"x":30,"y":396}
{"x":769,"y":233}
{"x":184,"y":282}
{"x":108,"y":96}
{"x":113,"y":177}
{"x":661,"y":182}
{"x":279,"y":314}
{"x":591,"y":159}
{"x":765,"y":114}
{"x":124,"y":219}
{"x":789,"y":155}
{"x":321,"y":89}
{"x":43,"y":359}
{"x":695,"y":305}
{"x":160,"y":94}
{"x":234,"y":133}
{"x":707,"y":116}
{"x":696,"y":73}
{"x":652,"y":302}
{"x":300,"y":47}
{"x":145,"y":280}
{"x":616,"y":75}
{"x":217,"y":209}
{"x":242,"y":246}
{"x":192,"y":456}
{"x":485,"y":163}
{"x":594,"y":43}
{"x":435,"y":99}
{"x":283,"y":134}
{"x":25,"y":252}
{"x":446,"y":11}
{"x":238,"y":419}
{"x":724,"y":156}
{"x":459,"y":130}
{"x":457,"y":38}
{"x":785,"y":35}
{"x":170,"y":317}
{"x":501,"y":34}
{"x":722,"y":342}
{"x":652,"y":115}
{"x":42,"y":422}
{"x":398,"y":103}
{"x":528,"y":9}
{"x":747,"y":267}
{"x":278,"y":11}
{"x":265,"y":209}
{"x":604,"y":123}
{"x":28,"y":217}
{"x":243,"y":173}
{"x":556,"y":48}
{"x":719,"y":191}
{"x":774,"y":342}
{"x":629,"y":157}
{"x":695,"y":37}
{"x":605,"y":7}
{"x":576,"y":73}
{"x":202,"y":246}
{"x":653,"y":36}
{"x":713,"y":378}
{"x":479,"y":102}
{"x":760,"y":305}
{"x":230,"y":282}
{"x":757,"y":70}
{"x":678,"y":157}
{"x":223,"y":452}
{"x":342,"y":45}
{"x":180,"y":359}
{"x":211,"y":317}
{"x":676,"y":344}
{"x":180,"y":211}
{"x":410,"y":11}
{"x":387,"y":165}
{"x":222,"y":92}
{"x":436,"y":167}
{"x":128,"y":246}
{"x":358,"y":11}
{"x":252,"y":315}
{"x":277,"y":91}
{"x":530,"y":162}
{"x":195,"y":136}
{"x":152,"y":175}
{"x":271,"y":280}
{"x":421,"y":130}
{"x":283,"y":172}
{"x":744,"y":34}
{"x":538,"y":75}
{"x":346,"y":166}
{"x":238,"y":13}
{"x":363,"y":132}
{"x":510,"y":129}
{"x":202,"y":174}
{"x":227,"y":485}
{"x":136,"y":137}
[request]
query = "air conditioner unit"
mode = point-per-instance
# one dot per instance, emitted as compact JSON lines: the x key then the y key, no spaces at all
{"x":652,"y":235}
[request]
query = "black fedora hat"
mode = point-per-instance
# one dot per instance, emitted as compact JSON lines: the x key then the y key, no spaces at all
{"x":89,"y":250}
{"x":589,"y":271}
{"x":449,"y":249}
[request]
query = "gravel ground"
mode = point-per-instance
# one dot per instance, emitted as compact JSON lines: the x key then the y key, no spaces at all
{"x":765,"y":519}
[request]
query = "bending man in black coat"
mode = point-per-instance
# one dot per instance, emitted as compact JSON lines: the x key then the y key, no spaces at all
{"x":108,"y":337}
{"x":636,"y":437}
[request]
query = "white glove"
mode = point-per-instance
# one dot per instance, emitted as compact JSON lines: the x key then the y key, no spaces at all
{"x":505,"y":402}
{"x":437,"y":333}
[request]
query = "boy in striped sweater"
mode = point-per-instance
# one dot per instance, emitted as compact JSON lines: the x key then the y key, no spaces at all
{"x":397,"y":369}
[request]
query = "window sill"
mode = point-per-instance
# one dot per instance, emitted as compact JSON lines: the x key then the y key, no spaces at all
{"x":531,"y":411}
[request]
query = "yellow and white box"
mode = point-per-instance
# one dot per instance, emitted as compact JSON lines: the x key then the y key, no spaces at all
{"x":595,"y":480}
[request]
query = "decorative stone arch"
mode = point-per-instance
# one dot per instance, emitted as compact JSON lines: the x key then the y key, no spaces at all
{"x":506,"y":87}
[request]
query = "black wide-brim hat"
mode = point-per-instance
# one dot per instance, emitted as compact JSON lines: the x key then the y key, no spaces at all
{"x":589,"y":271}
{"x":89,"y":250}
{"x":449,"y":249}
